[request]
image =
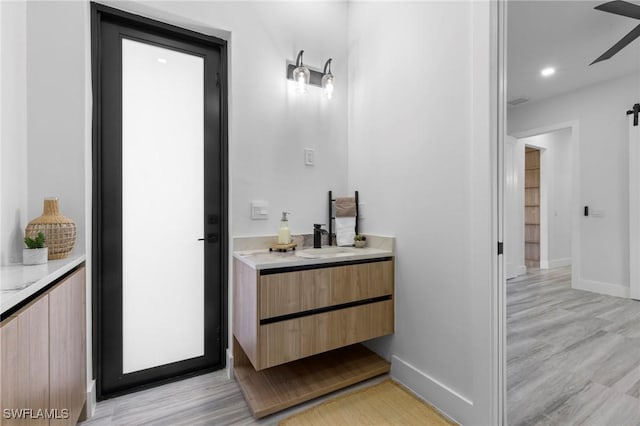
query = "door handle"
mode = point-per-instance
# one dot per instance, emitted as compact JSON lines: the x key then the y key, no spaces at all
{"x":210,"y":238}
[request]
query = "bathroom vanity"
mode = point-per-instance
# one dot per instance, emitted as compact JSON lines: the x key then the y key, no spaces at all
{"x":298,"y":319}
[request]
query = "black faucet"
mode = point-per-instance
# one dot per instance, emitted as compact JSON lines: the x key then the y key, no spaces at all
{"x":317,"y":235}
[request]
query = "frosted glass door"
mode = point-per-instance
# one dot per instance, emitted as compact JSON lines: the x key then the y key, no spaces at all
{"x":162,"y":206}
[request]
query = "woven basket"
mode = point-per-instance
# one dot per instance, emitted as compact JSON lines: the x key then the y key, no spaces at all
{"x":59,"y":231}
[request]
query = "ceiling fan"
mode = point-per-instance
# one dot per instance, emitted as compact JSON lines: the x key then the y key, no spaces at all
{"x":623,"y":8}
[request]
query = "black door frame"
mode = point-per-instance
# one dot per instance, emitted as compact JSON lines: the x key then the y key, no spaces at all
{"x":100,"y":13}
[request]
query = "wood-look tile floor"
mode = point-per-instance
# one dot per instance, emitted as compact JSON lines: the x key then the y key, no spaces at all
{"x":210,"y":399}
{"x":573,"y":357}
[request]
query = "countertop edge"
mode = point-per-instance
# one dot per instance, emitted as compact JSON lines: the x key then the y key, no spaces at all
{"x":298,"y":261}
{"x":10,"y":301}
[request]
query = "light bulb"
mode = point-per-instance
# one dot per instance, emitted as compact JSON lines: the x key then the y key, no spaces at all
{"x":301,"y":84}
{"x":301,"y":77}
{"x":548,"y":71}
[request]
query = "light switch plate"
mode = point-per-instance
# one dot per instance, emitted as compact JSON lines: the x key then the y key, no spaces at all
{"x":259,"y":210}
{"x":309,"y":157}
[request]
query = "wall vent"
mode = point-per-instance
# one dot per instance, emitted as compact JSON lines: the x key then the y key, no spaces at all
{"x":518,"y":101}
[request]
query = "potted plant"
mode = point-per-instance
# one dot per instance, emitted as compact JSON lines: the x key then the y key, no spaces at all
{"x":360,"y":241}
{"x":36,"y":253}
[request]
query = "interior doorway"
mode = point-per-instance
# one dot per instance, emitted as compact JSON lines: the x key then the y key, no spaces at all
{"x":532,"y":207}
{"x":541,"y":192}
{"x":159,"y":202}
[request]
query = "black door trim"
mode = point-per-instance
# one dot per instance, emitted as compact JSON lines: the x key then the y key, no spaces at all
{"x":99,"y":14}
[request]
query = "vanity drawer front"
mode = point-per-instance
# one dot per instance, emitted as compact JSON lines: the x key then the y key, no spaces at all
{"x":285,"y":341}
{"x":292,"y":292}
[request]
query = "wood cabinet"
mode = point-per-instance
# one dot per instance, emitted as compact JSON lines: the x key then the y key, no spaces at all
{"x":24,"y":366}
{"x":43,"y":357}
{"x":286,"y":341}
{"x":290,"y":292}
{"x":283,"y":316}
{"x":287,"y":321}
{"x":67,"y":371}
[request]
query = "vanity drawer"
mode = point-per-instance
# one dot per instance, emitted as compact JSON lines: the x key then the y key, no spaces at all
{"x":288,"y":340}
{"x":292,"y":292}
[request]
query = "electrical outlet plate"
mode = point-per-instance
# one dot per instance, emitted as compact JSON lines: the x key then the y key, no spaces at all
{"x":259,"y":210}
{"x":309,"y":157}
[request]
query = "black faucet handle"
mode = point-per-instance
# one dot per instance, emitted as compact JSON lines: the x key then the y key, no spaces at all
{"x":318,"y":225}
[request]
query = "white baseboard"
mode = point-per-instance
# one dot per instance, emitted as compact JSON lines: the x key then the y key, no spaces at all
{"x":229,"y":364}
{"x":90,"y":406}
{"x":556,"y":263}
{"x":443,"y":398}
{"x":609,"y":289}
{"x":515,"y":271}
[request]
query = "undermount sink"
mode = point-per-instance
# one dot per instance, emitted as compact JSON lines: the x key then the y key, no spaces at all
{"x":326,"y":252}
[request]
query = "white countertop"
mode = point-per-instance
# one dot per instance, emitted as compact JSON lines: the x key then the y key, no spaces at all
{"x":18,"y":282}
{"x":254,"y":252}
{"x":264,"y":259}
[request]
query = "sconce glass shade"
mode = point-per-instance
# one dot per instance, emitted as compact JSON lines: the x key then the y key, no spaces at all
{"x":301,"y":75}
{"x":328,"y":80}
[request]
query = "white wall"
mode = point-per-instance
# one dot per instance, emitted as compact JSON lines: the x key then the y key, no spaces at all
{"x":43,"y":115}
{"x":56,"y":49}
{"x":603,"y":262}
{"x":13,"y":130}
{"x":419,"y":153}
{"x":269,"y":124}
{"x":555,"y":179}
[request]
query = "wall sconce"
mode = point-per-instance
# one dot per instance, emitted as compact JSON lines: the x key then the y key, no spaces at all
{"x":328,"y":80}
{"x":300,"y":74}
{"x":303,"y":76}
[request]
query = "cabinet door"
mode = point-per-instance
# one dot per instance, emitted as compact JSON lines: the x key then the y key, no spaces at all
{"x":286,"y":341}
{"x":24,"y":366}
{"x":10,"y":380}
{"x":291,"y":292}
{"x":67,"y":351}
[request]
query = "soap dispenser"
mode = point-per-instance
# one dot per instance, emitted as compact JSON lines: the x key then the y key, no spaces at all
{"x":284,"y":235}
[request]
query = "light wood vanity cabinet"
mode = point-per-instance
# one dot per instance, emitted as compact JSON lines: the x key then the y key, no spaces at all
{"x":284,"y":316}
{"x":67,"y":355}
{"x":24,"y":366}
{"x":43,"y":355}
{"x":295,"y":329}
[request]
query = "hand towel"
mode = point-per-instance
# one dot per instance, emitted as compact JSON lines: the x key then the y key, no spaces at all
{"x":345,"y":230}
{"x":345,"y":207}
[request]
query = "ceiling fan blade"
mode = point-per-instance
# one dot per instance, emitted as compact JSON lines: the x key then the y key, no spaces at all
{"x":633,"y":34}
{"x":620,"y":7}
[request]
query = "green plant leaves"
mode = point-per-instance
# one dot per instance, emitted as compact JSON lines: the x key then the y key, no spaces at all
{"x":36,"y":243}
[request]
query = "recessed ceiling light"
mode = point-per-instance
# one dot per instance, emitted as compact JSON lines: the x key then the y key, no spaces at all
{"x":548,"y":71}
{"x":162,"y":60}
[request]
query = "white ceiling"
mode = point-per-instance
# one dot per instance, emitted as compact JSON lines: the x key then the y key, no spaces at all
{"x":567,"y":35}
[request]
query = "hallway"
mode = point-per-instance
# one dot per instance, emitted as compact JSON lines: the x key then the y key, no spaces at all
{"x":573,"y":357}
